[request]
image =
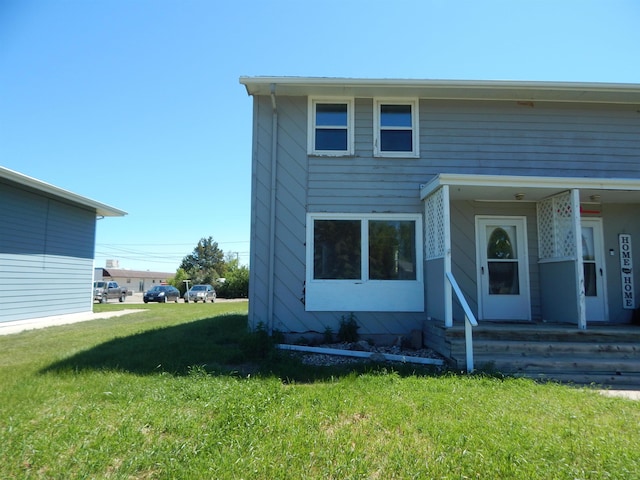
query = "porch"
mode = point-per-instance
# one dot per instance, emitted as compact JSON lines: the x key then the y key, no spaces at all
{"x":531,"y":248}
{"x":607,"y":355}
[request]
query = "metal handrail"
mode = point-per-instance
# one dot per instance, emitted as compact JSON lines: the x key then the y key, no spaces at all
{"x":469,"y":321}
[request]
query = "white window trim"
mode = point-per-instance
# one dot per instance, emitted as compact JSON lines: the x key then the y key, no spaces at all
{"x":354,"y":295}
{"x":311,"y":126}
{"x":415,"y":133}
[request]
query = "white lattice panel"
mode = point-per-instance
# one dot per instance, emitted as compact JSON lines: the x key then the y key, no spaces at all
{"x":434,"y":225}
{"x":556,"y":237}
{"x":545,"y":229}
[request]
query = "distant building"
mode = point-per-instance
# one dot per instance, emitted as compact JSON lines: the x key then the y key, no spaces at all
{"x":47,"y":245}
{"x":133,"y":280}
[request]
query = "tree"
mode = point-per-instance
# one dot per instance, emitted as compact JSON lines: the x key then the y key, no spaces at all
{"x":206,"y":264}
{"x":178,"y":280}
{"x":236,"y":281}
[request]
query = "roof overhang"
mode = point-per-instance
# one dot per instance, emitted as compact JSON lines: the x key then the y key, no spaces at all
{"x":511,"y":188}
{"x":101,"y":209}
{"x":574,"y":92}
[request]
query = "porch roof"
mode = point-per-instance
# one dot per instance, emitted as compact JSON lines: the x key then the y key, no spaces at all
{"x":503,"y":188}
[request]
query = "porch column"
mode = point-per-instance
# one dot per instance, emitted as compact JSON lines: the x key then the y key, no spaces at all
{"x":446,"y":230}
{"x":577,"y":234}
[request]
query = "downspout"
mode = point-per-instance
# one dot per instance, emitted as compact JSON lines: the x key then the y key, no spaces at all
{"x":272,"y":218}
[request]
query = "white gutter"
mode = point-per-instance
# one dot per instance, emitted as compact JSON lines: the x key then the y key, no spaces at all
{"x":612,"y":93}
{"x":355,"y":353}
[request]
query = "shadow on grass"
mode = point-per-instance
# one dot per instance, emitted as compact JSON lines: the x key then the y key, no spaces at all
{"x":220,"y":345}
{"x":210,"y":342}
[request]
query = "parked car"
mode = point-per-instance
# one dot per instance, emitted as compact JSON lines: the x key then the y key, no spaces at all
{"x":161,"y":293}
{"x":103,"y":291}
{"x":200,"y":293}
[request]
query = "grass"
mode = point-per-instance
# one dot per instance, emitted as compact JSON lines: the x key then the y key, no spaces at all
{"x":171,"y":393}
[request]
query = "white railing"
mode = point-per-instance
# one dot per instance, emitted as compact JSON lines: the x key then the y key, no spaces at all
{"x":469,"y":321}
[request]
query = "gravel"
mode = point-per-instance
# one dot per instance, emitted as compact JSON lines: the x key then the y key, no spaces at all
{"x":321,"y":359}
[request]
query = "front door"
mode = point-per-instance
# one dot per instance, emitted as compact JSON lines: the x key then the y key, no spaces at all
{"x":503,"y":268}
{"x":594,"y":275}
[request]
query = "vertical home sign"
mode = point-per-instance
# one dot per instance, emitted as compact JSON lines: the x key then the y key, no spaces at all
{"x":626,"y":271}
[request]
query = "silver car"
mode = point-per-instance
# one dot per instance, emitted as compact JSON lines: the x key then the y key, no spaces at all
{"x":200,"y":293}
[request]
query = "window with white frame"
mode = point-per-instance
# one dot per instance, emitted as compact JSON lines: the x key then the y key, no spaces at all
{"x":330,"y":126}
{"x":367,"y":262}
{"x":396,"y":128}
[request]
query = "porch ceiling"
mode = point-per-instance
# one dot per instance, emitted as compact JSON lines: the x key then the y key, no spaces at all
{"x":508,"y":188}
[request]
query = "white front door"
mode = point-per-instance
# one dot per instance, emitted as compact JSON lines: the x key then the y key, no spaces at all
{"x":594,"y":274}
{"x":503,"y":268}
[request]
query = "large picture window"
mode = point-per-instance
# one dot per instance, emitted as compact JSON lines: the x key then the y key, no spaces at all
{"x":396,"y":128}
{"x":364,"y":262}
{"x":330,"y":126}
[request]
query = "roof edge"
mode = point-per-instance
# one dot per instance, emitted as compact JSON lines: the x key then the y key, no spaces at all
{"x":454,"y":179}
{"x":101,"y":209}
{"x":587,"y":92}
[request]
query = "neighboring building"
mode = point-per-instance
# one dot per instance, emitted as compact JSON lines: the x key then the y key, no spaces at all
{"x":47,"y":244}
{"x":133,"y":280}
{"x":365,"y":193}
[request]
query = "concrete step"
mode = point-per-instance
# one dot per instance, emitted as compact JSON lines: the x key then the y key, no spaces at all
{"x":547,"y":365}
{"x":535,"y":332}
{"x":548,"y":349}
{"x":604,"y":355}
{"x":624,"y":381}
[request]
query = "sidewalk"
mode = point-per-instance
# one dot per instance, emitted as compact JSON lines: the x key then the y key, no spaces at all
{"x":7,"y":328}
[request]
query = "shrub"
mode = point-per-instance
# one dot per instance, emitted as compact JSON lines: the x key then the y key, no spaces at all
{"x":348,"y":331}
{"x":328,"y":335}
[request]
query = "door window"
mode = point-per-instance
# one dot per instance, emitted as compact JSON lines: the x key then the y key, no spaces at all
{"x":502,"y":260}
{"x":589,"y":262}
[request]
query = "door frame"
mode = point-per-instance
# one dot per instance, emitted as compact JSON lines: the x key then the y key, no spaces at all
{"x":523,"y":260}
{"x":598,"y":244}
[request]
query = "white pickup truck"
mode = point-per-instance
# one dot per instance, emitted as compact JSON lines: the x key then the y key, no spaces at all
{"x":103,"y":291}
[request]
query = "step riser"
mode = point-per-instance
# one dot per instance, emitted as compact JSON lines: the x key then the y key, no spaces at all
{"x":537,"y":365}
{"x":532,"y":336}
{"x":547,"y":349}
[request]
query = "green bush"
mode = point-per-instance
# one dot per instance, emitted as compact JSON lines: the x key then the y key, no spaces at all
{"x":348,"y":331}
{"x":236,"y":284}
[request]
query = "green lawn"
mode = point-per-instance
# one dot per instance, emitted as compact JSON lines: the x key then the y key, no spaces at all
{"x":171,"y":393}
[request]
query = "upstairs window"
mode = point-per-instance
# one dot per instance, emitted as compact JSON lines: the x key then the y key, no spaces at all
{"x":396,"y":128}
{"x":330,"y":127}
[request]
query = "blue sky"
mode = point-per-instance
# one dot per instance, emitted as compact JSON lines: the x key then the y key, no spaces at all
{"x":137,"y":104}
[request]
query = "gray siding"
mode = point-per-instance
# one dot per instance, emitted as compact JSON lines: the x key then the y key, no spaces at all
{"x":559,"y":288}
{"x":46,"y":256}
{"x":455,"y":137}
{"x":549,"y":139}
{"x":620,"y":219}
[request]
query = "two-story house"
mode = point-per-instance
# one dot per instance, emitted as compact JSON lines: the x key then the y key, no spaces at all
{"x":367,"y":193}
